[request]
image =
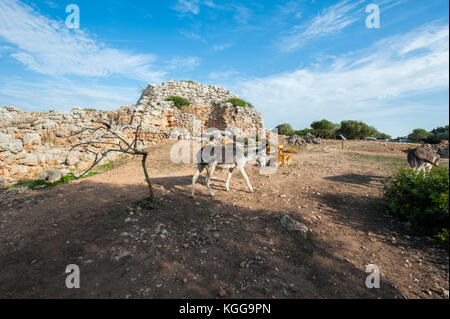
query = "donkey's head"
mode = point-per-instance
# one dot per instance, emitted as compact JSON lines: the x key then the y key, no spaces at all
{"x":435,"y":156}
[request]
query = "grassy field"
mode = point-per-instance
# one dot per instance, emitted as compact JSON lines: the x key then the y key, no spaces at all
{"x":380,"y":160}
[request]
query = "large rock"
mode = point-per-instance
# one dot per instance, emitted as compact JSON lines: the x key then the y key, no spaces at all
{"x":31,"y":139}
{"x":6,"y":118}
{"x":30,"y":160}
{"x":53,"y":175}
{"x":295,"y":226}
{"x":45,"y":124}
{"x":18,"y":170}
{"x":8,"y":144}
{"x":2,"y":183}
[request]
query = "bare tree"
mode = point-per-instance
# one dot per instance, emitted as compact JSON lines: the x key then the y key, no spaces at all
{"x":109,"y":136}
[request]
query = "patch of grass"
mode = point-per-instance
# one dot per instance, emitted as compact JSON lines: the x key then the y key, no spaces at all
{"x":108,"y":166}
{"x":179,"y":102}
{"x":293,"y":165}
{"x":190,"y":81}
{"x":239,"y":102}
{"x":384,"y":161}
{"x":34,"y":184}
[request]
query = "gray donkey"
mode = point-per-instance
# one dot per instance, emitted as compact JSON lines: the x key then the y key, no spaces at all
{"x":423,"y":158}
{"x":231,"y":157}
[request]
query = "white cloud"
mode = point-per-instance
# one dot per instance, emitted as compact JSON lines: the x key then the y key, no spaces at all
{"x":185,"y":63}
{"x":359,"y":85}
{"x":224,"y":75}
{"x":188,"y":6}
{"x":331,"y":20}
{"x":63,"y":94}
{"x":192,"y":36}
{"x":221,"y":47}
{"x":47,"y":46}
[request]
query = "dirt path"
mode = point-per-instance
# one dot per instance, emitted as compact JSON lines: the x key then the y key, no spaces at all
{"x":232,"y":246}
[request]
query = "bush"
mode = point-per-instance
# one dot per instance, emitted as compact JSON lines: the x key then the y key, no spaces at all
{"x":285,"y":129}
{"x":239,"y":102}
{"x":422,"y":200}
{"x":356,"y":130}
{"x":324,"y":129}
{"x":179,"y":101}
{"x":419,"y":135}
{"x":35,"y":184}
{"x":438,"y":134}
{"x":304,"y":132}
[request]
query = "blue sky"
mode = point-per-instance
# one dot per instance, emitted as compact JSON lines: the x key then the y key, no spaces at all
{"x":296,"y":61}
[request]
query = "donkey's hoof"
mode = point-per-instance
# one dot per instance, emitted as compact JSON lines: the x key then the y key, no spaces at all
{"x":212,"y":194}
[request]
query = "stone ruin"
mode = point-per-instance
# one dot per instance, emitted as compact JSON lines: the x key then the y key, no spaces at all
{"x":32,"y":142}
{"x":307,"y":139}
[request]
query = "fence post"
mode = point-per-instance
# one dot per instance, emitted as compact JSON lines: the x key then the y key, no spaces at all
{"x":343,"y":141}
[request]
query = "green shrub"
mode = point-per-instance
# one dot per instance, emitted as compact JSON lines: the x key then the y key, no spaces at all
{"x":239,"y":102}
{"x":179,"y":101}
{"x":422,"y":200}
{"x":304,"y":132}
{"x":324,"y":129}
{"x":34,"y":184}
{"x":285,"y":129}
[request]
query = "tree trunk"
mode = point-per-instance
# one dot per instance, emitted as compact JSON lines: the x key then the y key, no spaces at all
{"x":147,"y":177}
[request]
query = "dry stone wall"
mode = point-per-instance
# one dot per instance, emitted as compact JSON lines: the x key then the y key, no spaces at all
{"x":31,"y":142}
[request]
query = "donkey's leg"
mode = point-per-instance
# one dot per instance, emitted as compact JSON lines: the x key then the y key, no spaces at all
{"x":230,"y":173}
{"x":211,"y":170}
{"x":242,"y":170}
{"x":200,"y":169}
{"x":420,"y":168}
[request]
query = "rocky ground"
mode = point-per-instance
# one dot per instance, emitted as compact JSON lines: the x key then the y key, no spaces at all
{"x":309,"y":231}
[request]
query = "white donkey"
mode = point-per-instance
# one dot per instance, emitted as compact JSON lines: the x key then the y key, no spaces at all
{"x":231,"y":157}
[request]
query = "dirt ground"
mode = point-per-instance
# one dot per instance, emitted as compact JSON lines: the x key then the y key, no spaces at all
{"x":230,"y":246}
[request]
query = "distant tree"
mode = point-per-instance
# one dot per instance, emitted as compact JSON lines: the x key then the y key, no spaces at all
{"x":285,"y":129}
{"x":304,"y":132}
{"x":324,"y":129}
{"x":419,"y":135}
{"x":383,"y":136}
{"x":355,"y":130}
{"x":438,"y":134}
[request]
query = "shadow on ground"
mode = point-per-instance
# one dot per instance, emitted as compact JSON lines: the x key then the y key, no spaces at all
{"x":366,"y":180}
{"x":186,"y":248}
